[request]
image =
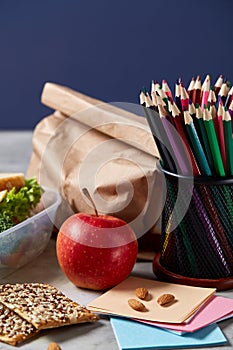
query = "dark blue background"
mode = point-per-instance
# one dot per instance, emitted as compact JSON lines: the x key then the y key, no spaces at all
{"x":106,"y":49}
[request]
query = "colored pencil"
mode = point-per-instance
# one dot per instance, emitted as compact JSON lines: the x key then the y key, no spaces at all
{"x":205,"y":92}
{"x":212,"y":98}
{"x":230,"y":109}
{"x":221,"y":139}
{"x":200,"y":127}
{"x":192,"y":109}
{"x":169,"y":105}
{"x":213,"y":142}
{"x":193,"y":133}
{"x":226,"y":120}
{"x":167,"y":89}
{"x":160,"y":100}
{"x":190,"y":89}
{"x":229,"y":98}
{"x":218,"y":84}
{"x":222,"y":95}
{"x":179,"y":124}
{"x":154,"y":86}
{"x":177,"y":95}
{"x":158,"y":133}
{"x":196,"y":145}
{"x":211,"y":234}
{"x":201,"y":146}
{"x":197,"y":91}
{"x":162,"y":94}
{"x":182,"y":162}
{"x":184,"y":97}
{"x":213,"y":209}
{"x":213,"y":113}
{"x":154,"y":100}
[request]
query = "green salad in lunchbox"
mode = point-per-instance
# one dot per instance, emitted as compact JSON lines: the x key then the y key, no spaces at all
{"x":27,"y":214}
{"x":18,"y":197}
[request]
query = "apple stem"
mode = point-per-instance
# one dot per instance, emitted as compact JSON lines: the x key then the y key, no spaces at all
{"x":87,"y":194}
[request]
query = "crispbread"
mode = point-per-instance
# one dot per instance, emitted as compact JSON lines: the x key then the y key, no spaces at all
{"x":13,"y":328}
{"x":10,"y":180}
{"x":43,"y":305}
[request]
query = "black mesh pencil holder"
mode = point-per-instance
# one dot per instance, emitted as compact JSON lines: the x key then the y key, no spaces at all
{"x":197,"y":232}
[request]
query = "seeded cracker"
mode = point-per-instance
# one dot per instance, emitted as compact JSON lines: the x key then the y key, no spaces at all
{"x":13,"y":328}
{"x":43,"y":305}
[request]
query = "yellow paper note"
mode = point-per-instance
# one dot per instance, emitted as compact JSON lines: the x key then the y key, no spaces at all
{"x":187,"y":301}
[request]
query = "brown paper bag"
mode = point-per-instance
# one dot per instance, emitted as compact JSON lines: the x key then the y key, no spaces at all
{"x":110,"y":151}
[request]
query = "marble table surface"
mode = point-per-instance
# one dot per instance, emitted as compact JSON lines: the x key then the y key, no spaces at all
{"x":15,"y":152}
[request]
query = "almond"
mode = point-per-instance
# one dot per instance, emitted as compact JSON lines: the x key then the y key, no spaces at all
{"x":136,"y":305}
{"x":165,"y":299}
{"x":53,"y":346}
{"x":141,"y":293}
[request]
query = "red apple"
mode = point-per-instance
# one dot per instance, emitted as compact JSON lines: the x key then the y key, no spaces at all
{"x":96,"y":252}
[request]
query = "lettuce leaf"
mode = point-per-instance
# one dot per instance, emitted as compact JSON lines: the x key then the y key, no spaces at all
{"x":5,"y":222}
{"x":17,"y":205}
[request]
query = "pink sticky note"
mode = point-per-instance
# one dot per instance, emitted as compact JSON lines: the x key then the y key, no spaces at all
{"x":216,"y":309}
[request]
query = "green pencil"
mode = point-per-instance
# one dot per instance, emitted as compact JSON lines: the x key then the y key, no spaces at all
{"x":200,"y":127}
{"x":213,"y":142}
{"x":196,"y":145}
{"x":227,"y":127}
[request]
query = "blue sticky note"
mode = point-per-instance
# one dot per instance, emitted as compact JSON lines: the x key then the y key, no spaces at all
{"x":132,"y":335}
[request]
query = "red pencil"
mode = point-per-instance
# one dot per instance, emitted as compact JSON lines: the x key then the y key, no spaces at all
{"x":231,"y":113}
{"x":197,"y":91}
{"x":190,"y":89}
{"x":218,"y":84}
{"x":184,"y":98}
{"x":166,"y":89}
{"x":205,"y":92}
{"x":179,"y":124}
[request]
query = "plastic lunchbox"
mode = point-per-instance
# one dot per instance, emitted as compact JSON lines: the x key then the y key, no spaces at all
{"x":28,"y":239}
